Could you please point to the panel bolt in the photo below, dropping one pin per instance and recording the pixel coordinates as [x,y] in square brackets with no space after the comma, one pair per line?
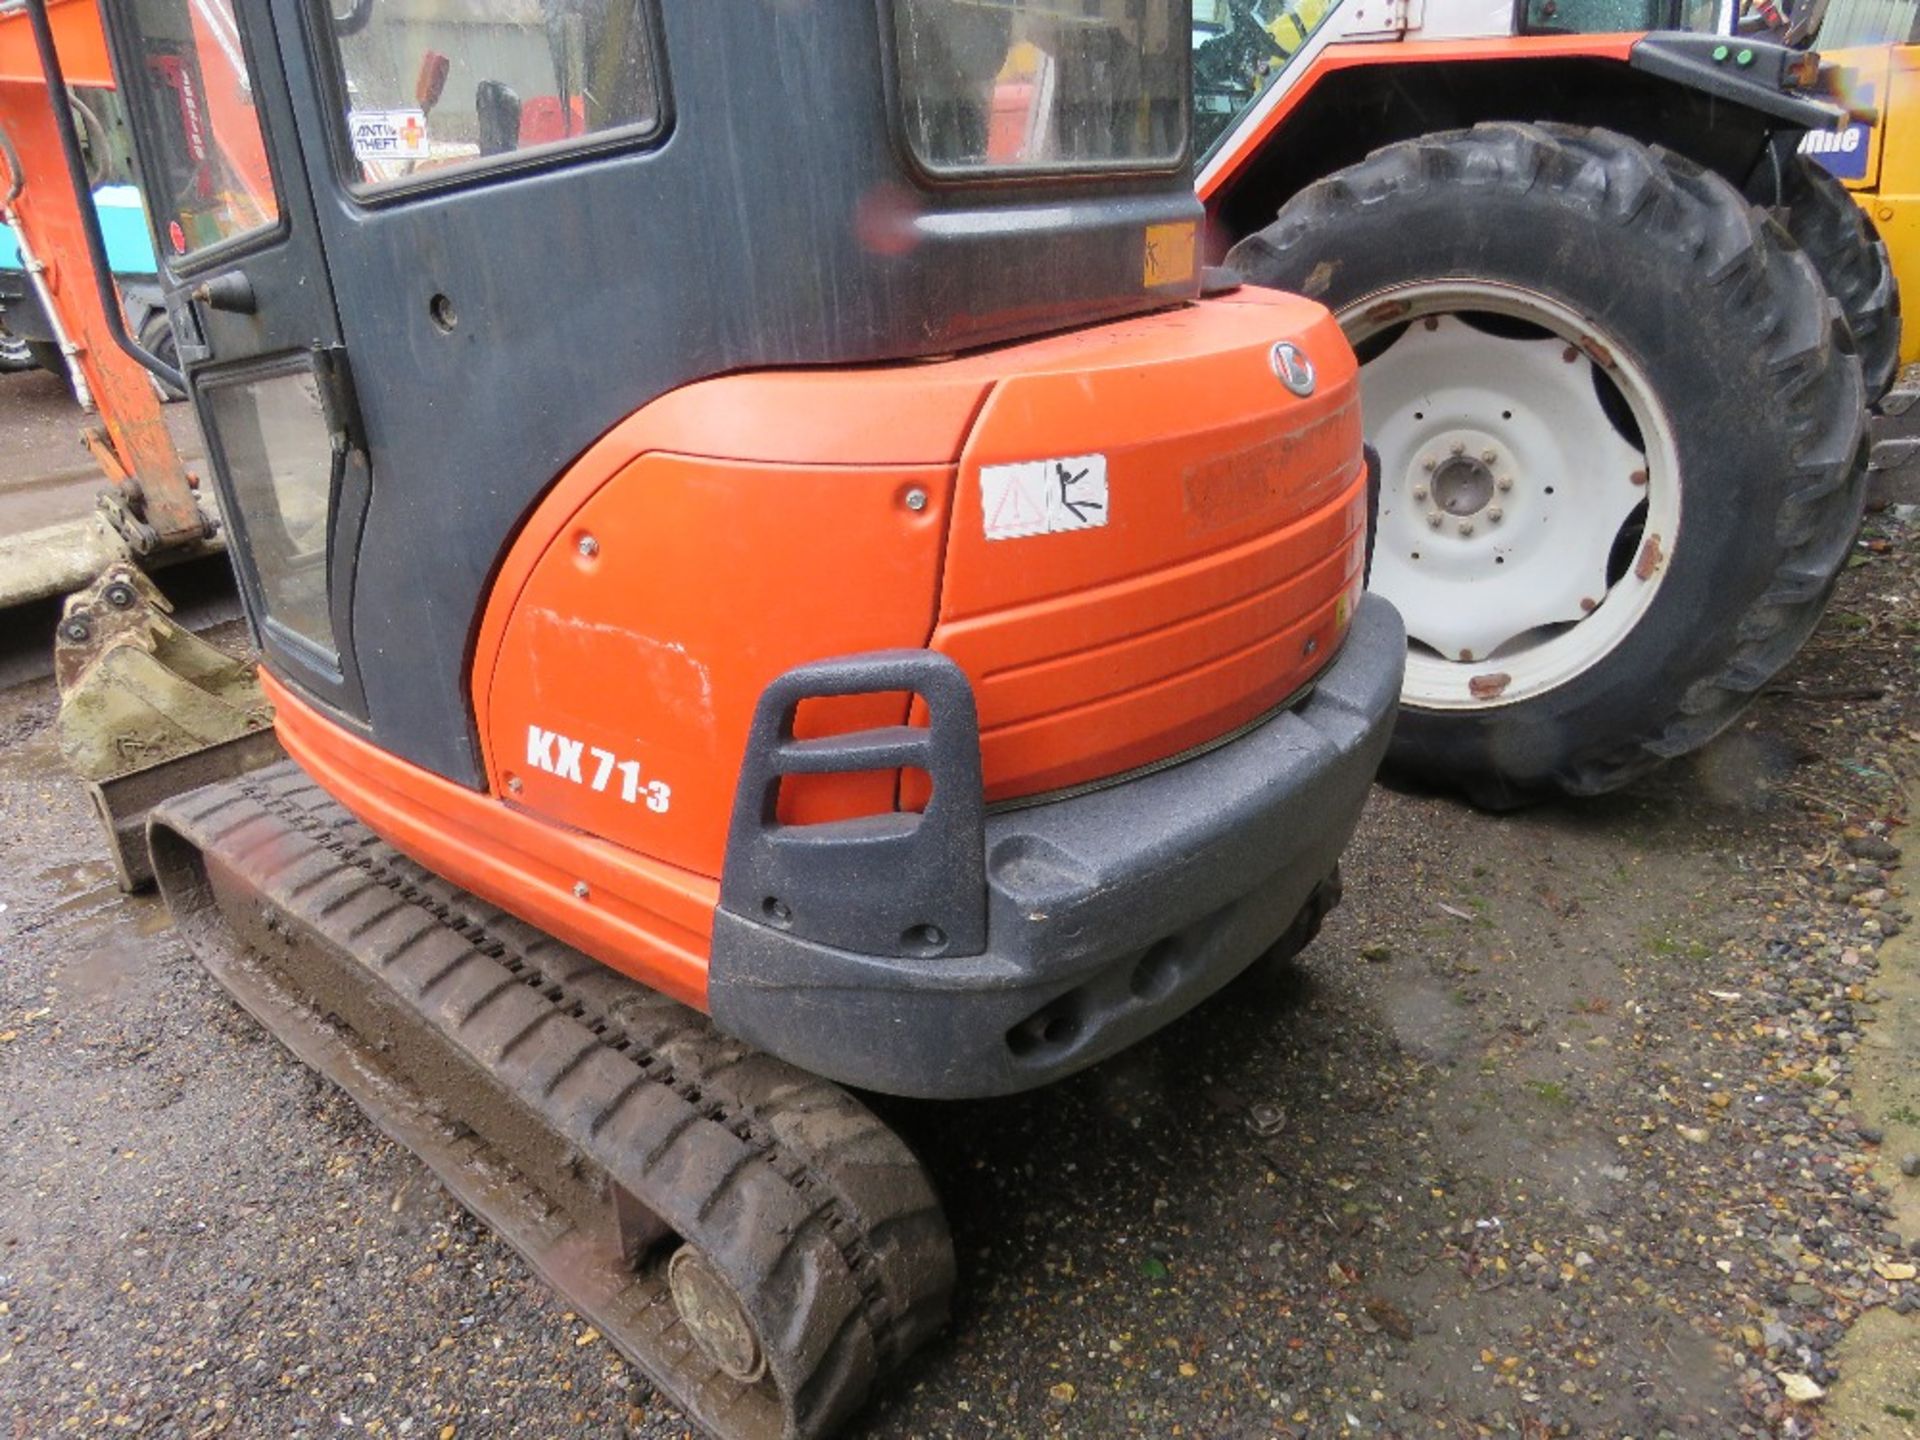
[1419,492]
[580,891]
[1433,519]
[589,546]
[1313,644]
[1466,527]
[916,499]
[513,784]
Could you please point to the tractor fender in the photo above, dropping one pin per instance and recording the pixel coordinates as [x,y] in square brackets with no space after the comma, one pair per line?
[1748,73]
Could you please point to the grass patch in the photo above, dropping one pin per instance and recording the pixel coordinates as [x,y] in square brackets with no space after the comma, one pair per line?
[1665,945]
[1553,1092]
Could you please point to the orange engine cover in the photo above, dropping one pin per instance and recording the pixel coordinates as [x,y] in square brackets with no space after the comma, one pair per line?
[1223,578]
[1132,538]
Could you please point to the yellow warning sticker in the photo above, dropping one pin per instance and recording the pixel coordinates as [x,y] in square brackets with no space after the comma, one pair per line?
[1169,253]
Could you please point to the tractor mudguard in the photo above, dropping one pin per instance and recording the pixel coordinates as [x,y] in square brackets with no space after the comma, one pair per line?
[1747,72]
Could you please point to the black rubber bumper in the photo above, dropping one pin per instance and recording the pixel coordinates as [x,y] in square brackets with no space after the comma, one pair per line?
[1106,915]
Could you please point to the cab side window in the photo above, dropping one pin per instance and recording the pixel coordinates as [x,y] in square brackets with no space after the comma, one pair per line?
[193,79]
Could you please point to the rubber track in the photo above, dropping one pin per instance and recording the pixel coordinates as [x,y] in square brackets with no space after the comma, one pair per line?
[1774,293]
[417,997]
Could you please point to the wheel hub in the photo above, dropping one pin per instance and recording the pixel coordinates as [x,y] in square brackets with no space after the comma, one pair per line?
[1509,484]
[714,1315]
[1463,484]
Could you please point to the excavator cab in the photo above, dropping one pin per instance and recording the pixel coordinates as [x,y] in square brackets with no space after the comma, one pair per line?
[773,560]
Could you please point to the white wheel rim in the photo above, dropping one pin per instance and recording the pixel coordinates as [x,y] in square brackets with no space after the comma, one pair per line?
[1505,490]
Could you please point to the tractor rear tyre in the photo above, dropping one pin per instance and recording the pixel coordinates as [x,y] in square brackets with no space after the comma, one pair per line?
[1852,259]
[1622,432]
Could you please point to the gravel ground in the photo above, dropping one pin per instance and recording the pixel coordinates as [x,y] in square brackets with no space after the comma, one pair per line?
[1549,1134]
[47,475]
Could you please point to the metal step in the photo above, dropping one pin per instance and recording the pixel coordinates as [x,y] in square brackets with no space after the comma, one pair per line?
[754,1239]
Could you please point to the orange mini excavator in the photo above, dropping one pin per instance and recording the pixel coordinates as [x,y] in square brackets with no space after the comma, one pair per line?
[775,566]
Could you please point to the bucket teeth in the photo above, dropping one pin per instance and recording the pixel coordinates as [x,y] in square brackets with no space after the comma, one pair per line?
[599,1127]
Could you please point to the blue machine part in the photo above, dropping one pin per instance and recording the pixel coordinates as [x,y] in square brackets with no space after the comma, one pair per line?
[1843,153]
[123,226]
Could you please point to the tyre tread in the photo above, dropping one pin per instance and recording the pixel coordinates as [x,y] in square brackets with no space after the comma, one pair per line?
[1733,247]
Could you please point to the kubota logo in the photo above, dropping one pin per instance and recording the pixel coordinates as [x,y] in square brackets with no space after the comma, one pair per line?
[1291,365]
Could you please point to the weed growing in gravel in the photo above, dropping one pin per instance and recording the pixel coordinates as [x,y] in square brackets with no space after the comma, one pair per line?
[1553,1092]
[1665,945]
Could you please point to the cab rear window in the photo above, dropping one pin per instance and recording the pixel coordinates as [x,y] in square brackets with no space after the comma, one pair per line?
[438,85]
[1020,85]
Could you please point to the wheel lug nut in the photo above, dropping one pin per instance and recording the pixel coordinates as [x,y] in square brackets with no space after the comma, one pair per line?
[1419,492]
[1487,457]
[1459,448]
[1428,464]
[1495,515]
[1433,519]
[1466,527]
[1505,482]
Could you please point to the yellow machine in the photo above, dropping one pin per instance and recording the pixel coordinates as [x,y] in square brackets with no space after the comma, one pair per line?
[1877,47]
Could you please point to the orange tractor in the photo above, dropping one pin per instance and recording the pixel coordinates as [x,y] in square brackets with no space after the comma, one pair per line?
[1617,339]
[763,585]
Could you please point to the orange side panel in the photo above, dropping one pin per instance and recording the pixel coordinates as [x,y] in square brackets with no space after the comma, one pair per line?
[645,634]
[76,35]
[910,415]
[643,918]
[1242,147]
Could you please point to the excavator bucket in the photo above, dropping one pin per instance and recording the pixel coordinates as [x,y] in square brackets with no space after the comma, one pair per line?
[148,709]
